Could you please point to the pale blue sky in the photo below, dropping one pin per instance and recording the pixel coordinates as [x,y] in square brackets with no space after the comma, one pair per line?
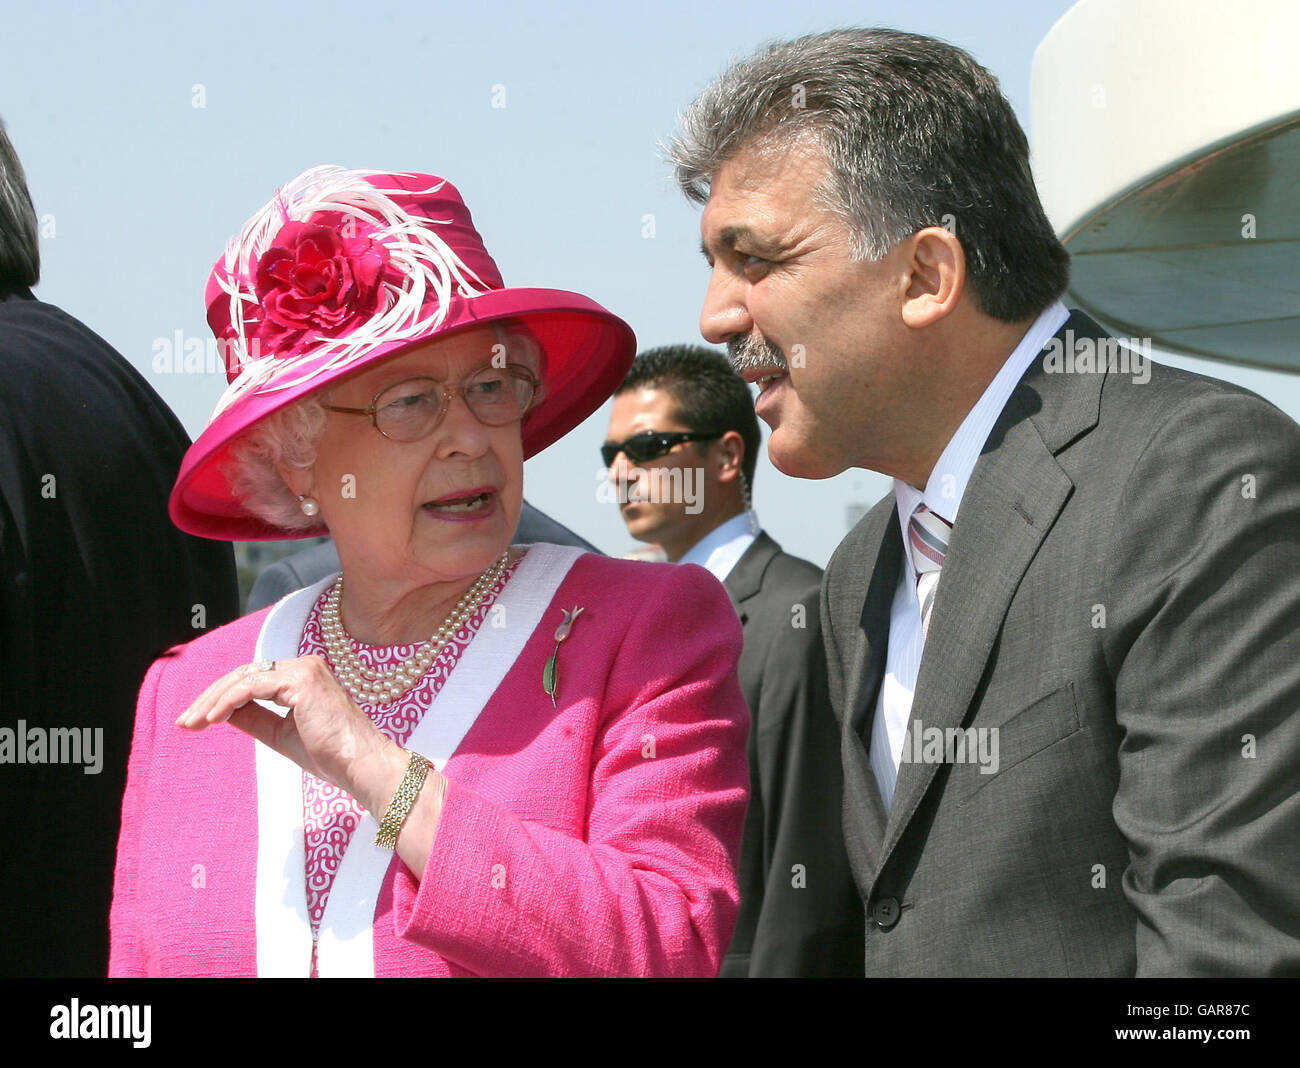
[142,188]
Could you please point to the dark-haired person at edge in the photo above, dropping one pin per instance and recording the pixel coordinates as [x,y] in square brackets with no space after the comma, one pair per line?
[95,582]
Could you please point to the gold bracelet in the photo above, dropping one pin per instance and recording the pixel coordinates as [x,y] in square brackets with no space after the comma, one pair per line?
[403,801]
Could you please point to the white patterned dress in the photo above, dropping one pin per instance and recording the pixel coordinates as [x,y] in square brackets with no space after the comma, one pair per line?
[331,815]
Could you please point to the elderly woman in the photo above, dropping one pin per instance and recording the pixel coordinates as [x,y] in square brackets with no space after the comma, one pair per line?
[457,757]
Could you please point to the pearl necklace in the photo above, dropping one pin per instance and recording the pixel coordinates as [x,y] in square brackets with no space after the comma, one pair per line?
[384,687]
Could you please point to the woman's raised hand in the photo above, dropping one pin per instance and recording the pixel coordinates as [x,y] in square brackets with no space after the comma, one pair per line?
[324,731]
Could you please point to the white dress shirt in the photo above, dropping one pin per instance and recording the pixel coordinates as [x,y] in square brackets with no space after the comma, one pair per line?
[721,547]
[943,494]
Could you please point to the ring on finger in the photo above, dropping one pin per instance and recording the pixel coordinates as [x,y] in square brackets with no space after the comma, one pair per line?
[264,665]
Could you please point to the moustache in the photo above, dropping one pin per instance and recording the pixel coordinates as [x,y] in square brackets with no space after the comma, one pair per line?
[753,352]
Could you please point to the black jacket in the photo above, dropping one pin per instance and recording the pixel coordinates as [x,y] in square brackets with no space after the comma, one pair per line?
[800,914]
[95,583]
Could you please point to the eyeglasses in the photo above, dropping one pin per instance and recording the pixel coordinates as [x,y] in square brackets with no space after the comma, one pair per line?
[413,409]
[649,445]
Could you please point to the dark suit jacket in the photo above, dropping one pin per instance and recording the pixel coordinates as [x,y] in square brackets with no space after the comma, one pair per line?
[95,583]
[1121,602]
[314,563]
[799,912]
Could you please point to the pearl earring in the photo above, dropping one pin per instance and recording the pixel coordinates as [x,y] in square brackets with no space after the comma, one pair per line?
[308,504]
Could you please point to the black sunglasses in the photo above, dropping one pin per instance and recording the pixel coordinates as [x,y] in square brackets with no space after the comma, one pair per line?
[649,445]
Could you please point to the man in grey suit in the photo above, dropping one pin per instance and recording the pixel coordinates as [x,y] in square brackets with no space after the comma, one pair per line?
[681,449]
[1065,652]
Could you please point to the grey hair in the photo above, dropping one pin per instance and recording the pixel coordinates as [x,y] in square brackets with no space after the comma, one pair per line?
[915,133]
[20,255]
[290,436]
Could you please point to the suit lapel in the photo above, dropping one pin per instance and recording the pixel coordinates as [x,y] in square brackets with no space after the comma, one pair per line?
[745,579]
[1015,493]
[864,812]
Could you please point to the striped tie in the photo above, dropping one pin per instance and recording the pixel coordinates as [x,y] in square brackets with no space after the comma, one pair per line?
[928,533]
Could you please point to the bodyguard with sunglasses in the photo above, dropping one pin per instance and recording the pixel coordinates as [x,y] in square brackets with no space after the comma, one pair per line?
[681,450]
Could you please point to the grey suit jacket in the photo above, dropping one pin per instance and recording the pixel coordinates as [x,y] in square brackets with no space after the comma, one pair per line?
[1121,603]
[799,911]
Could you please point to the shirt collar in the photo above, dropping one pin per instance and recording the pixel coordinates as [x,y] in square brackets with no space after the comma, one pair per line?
[947,484]
[721,547]
[15,292]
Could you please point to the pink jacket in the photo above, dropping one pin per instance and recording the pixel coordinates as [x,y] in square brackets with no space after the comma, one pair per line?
[595,838]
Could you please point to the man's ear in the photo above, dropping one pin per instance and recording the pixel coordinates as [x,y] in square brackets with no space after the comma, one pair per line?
[731,448]
[936,276]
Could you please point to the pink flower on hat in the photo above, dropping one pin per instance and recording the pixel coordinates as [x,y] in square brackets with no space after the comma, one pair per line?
[320,278]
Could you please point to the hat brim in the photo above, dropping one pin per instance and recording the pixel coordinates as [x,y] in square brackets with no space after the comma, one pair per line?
[587,353]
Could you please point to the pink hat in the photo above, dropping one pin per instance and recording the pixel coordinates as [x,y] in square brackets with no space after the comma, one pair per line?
[344,269]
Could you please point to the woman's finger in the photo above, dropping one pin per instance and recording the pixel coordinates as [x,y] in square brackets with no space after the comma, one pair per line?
[325,732]
[205,700]
[246,683]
